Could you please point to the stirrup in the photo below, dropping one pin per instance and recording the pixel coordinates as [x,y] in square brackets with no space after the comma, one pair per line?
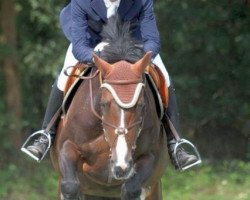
[185,142]
[31,138]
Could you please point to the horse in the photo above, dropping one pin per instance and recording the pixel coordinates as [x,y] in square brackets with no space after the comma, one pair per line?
[110,144]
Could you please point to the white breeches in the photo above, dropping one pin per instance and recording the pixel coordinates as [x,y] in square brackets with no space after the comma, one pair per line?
[158,62]
[70,60]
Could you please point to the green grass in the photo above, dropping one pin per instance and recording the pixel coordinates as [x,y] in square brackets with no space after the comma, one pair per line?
[226,181]
[31,181]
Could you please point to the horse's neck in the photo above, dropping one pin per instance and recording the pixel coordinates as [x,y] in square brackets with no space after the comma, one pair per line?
[87,96]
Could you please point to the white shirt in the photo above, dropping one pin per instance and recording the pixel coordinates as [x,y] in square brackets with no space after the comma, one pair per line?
[111,7]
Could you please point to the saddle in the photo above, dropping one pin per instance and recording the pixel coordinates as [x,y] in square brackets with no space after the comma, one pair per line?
[73,84]
[154,77]
[159,81]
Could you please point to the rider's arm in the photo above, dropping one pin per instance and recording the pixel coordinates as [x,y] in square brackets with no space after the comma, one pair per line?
[81,49]
[149,30]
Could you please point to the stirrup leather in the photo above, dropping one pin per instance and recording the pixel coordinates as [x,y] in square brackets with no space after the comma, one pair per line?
[179,144]
[31,138]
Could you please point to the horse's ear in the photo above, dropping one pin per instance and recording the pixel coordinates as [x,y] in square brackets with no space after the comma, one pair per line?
[102,65]
[140,66]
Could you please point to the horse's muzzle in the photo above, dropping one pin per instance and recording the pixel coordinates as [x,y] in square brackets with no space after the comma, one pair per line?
[123,173]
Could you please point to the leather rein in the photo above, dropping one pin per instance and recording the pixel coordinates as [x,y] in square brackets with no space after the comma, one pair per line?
[118,130]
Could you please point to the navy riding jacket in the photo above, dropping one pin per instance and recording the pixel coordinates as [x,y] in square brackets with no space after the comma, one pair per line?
[82,22]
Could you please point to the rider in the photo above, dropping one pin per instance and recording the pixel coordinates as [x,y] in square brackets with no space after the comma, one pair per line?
[82,22]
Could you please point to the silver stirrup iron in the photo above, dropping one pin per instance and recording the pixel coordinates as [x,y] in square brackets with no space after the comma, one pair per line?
[31,138]
[181,142]
[185,142]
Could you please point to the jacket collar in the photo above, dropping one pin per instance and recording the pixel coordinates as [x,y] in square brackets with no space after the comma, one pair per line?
[99,7]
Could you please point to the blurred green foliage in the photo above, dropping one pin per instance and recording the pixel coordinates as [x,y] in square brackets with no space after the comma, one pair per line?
[228,180]
[28,183]
[205,45]
[42,49]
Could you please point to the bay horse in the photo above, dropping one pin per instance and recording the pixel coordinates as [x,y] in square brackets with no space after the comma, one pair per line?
[111,145]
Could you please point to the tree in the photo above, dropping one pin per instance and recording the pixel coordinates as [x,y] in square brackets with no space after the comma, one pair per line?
[11,72]
[206,45]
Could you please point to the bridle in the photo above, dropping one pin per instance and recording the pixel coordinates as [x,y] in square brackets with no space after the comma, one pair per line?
[118,130]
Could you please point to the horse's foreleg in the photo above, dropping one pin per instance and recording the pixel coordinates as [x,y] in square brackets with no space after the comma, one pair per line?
[132,189]
[70,185]
[155,192]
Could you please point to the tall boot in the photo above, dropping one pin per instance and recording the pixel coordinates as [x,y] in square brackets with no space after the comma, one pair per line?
[181,158]
[38,148]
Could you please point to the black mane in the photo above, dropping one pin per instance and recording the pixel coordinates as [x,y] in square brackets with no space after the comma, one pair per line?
[122,46]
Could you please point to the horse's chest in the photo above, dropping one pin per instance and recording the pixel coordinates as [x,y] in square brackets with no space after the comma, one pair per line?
[95,173]
[96,158]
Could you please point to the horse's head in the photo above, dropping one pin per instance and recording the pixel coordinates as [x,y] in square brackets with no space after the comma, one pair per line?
[122,106]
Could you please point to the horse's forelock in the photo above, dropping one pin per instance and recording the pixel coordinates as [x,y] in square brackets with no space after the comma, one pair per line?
[122,51]
[122,45]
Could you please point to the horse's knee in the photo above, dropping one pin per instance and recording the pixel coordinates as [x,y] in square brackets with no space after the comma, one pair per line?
[70,189]
[130,193]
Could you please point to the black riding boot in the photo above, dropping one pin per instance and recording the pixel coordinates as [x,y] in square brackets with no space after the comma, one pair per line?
[40,145]
[183,158]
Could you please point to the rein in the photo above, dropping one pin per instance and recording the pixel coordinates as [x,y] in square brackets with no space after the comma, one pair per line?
[79,66]
[118,130]
[58,112]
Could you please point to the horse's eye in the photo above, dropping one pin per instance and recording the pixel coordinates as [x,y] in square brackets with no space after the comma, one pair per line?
[141,105]
[104,104]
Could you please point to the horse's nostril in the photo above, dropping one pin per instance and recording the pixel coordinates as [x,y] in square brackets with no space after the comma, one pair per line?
[130,163]
[120,172]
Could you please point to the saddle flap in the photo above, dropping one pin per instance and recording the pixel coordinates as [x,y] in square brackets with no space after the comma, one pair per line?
[158,78]
[75,73]
[73,84]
